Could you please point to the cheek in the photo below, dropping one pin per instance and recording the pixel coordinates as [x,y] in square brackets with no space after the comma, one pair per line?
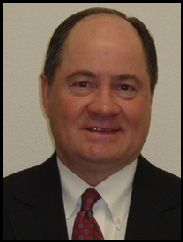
[67,110]
[138,116]
[69,113]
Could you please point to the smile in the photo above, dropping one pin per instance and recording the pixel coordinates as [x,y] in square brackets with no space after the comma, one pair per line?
[106,130]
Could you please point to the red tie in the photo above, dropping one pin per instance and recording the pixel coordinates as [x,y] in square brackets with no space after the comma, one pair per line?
[85,226]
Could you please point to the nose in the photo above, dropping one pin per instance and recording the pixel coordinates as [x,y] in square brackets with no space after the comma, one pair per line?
[104,103]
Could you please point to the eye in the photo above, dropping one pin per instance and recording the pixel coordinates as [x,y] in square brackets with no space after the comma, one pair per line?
[126,91]
[82,88]
[126,87]
[81,84]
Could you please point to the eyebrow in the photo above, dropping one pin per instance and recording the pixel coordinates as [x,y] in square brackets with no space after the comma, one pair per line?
[126,77]
[123,77]
[81,73]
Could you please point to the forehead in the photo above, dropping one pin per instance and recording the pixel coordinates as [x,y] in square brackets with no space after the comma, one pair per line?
[104,28]
[104,42]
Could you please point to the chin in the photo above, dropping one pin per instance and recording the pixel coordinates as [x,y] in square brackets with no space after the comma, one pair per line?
[99,157]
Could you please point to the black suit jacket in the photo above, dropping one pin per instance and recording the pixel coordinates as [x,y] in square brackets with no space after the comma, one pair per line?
[33,206]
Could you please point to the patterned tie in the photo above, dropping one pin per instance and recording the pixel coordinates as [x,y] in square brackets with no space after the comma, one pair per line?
[85,226]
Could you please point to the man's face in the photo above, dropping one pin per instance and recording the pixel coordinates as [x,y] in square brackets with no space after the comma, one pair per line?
[99,106]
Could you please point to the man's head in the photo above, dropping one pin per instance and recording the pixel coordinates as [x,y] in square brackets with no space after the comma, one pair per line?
[56,46]
[98,93]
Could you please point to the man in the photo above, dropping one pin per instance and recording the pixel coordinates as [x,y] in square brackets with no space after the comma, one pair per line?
[97,90]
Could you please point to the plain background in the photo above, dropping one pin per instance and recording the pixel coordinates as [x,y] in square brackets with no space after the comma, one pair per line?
[26,34]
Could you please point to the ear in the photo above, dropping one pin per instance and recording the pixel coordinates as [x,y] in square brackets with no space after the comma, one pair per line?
[45,87]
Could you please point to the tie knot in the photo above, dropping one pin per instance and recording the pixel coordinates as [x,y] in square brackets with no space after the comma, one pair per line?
[89,198]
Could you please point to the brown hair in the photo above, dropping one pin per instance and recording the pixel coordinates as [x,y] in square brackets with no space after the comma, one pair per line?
[61,33]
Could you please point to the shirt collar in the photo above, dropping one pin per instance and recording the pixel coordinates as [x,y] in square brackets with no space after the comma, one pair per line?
[115,191]
[72,188]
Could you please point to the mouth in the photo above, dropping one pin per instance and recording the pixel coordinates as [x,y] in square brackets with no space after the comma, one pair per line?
[103,130]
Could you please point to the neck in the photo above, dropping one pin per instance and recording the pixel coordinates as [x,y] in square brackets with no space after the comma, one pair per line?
[93,173]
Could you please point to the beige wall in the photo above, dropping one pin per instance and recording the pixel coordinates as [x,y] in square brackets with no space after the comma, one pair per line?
[27,30]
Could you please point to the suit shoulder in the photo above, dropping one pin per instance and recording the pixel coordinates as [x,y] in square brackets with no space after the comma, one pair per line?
[25,178]
[164,183]
[166,177]
[17,181]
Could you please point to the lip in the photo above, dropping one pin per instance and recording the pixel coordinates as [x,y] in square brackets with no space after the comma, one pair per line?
[102,130]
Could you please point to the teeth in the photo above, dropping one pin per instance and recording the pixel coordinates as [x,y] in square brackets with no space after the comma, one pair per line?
[98,129]
[101,130]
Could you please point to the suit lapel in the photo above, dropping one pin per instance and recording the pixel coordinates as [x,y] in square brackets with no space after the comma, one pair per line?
[39,206]
[143,212]
[152,204]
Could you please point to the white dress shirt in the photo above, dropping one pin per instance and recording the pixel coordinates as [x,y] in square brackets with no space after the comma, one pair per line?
[111,211]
